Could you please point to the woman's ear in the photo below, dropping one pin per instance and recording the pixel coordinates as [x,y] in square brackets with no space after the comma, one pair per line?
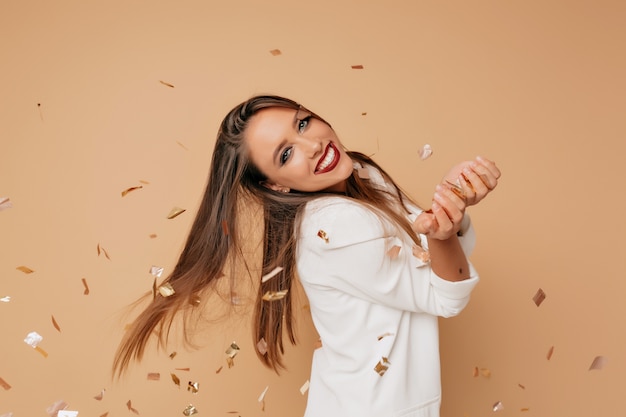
[275,187]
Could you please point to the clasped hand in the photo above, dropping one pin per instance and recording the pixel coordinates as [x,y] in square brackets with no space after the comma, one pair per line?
[466,184]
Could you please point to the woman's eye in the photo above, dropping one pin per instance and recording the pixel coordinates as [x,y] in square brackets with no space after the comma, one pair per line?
[302,124]
[285,155]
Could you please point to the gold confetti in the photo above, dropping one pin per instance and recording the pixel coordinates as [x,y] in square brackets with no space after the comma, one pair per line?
[271,274]
[33,339]
[128,190]
[43,352]
[457,189]
[190,410]
[322,234]
[304,388]
[4,384]
[175,379]
[382,336]
[275,52]
[25,269]
[166,290]
[225,227]
[152,235]
[598,363]
[382,366]
[54,409]
[218,370]
[539,297]
[195,300]
[394,251]
[193,387]
[86,291]
[67,413]
[174,212]
[485,372]
[550,352]
[102,250]
[275,295]
[421,254]
[357,67]
[55,324]
[105,414]
[172,355]
[525,409]
[521,386]
[425,152]
[232,350]
[144,182]
[166,84]
[5,203]
[182,146]
[100,396]
[154,376]
[130,407]
[364,113]
[498,406]
[261,346]
[476,372]
[183,369]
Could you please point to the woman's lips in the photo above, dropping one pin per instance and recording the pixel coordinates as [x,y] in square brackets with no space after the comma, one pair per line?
[329,160]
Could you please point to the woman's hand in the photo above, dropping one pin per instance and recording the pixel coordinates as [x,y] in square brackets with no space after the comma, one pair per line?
[474,179]
[444,218]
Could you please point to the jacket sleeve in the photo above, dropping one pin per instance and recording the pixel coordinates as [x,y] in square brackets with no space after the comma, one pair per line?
[344,245]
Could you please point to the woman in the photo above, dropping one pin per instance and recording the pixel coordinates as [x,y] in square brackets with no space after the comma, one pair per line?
[377,269]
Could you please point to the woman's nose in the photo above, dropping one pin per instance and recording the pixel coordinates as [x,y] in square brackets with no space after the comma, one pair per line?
[312,146]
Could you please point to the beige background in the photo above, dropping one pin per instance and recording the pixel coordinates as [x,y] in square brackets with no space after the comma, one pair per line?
[537,86]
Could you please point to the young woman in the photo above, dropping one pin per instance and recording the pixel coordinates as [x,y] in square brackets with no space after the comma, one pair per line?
[377,270]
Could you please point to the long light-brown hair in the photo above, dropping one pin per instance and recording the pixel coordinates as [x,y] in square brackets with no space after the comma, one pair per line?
[214,239]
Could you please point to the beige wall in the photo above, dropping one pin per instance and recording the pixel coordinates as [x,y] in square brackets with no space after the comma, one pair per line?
[538,86]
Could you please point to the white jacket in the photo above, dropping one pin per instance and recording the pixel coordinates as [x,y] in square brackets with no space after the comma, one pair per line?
[376,313]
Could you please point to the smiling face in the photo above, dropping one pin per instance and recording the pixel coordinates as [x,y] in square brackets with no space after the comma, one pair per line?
[296,151]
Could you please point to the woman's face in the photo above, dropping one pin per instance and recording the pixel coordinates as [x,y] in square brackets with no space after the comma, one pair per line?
[296,151]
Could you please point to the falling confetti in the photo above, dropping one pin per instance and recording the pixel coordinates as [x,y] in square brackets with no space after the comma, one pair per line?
[144,182]
[262,396]
[598,363]
[152,235]
[33,339]
[261,346]
[476,372]
[539,297]
[9,414]
[166,290]
[154,376]
[43,352]
[357,67]
[232,350]
[363,173]
[56,407]
[67,413]
[382,366]
[5,299]
[190,410]
[105,414]
[275,295]
[550,352]
[225,227]
[172,355]
[271,274]
[275,52]
[5,203]
[498,406]
[394,251]
[128,190]
[521,386]
[183,369]
[364,113]
[25,269]
[193,387]
[100,396]
[176,211]
[130,407]
[156,271]
[218,370]
[382,336]
[421,254]
[182,146]
[166,84]
[102,250]
[322,234]
[425,152]
[525,409]
[86,291]
[4,384]
[485,372]
[175,379]
[304,388]
[55,324]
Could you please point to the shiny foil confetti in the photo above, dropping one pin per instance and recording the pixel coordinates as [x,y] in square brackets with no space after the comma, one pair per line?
[539,297]
[476,372]
[550,352]
[190,410]
[498,406]
[156,271]
[382,366]
[173,355]
[262,396]
[382,336]
[25,269]
[304,388]
[56,407]
[357,67]
[218,370]
[275,52]
[166,290]
[5,203]
[232,350]
[166,84]
[41,351]
[105,414]
[275,295]
[175,212]
[154,376]
[55,324]
[271,274]
[394,251]
[322,234]
[4,384]
[193,387]
[152,235]
[521,386]
[144,182]
[86,291]
[524,409]
[598,363]
[425,152]
[421,254]
[128,190]
[175,379]
[100,396]
[33,339]
[183,369]
[363,173]
[261,346]
[5,299]
[182,146]
[102,250]
[130,407]
[67,413]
